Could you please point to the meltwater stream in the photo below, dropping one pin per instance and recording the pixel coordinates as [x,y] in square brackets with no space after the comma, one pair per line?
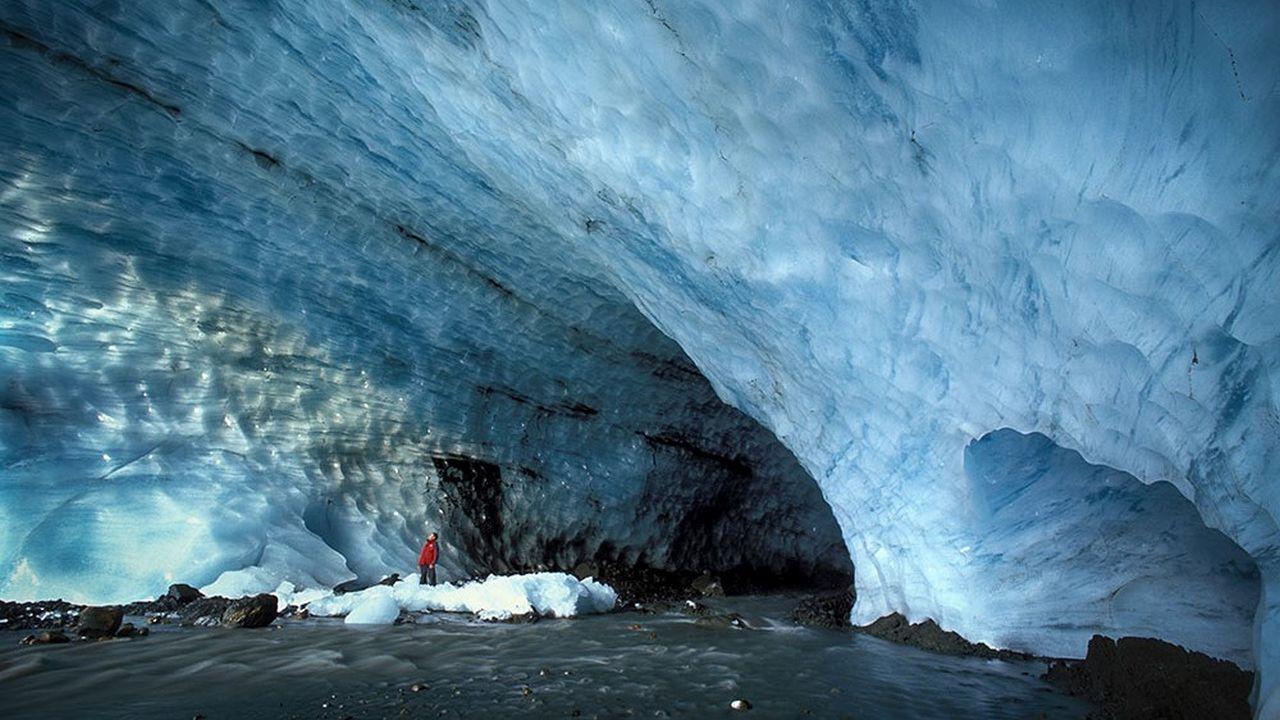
[615,665]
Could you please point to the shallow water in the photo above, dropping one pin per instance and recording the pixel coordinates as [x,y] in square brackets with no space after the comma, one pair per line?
[599,666]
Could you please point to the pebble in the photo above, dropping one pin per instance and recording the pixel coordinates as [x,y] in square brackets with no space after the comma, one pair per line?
[417,687]
[740,705]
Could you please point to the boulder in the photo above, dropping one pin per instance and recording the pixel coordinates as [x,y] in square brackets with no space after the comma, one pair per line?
[99,622]
[181,593]
[1149,679]
[251,612]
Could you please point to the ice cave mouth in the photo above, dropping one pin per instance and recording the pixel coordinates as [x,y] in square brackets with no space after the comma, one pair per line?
[681,286]
[1089,549]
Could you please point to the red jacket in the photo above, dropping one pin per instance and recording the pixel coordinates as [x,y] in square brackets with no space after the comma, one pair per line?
[428,554]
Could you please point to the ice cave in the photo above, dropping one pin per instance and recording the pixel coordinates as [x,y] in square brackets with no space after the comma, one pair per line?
[968,309]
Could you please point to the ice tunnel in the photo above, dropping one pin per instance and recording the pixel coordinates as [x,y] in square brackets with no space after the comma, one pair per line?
[679,283]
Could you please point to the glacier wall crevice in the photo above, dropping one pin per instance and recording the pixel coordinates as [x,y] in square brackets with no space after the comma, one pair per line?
[882,229]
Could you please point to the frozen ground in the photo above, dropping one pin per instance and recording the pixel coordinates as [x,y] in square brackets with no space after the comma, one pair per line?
[261,261]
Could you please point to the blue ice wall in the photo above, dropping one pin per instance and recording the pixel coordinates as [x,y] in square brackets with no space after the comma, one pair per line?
[224,358]
[883,229]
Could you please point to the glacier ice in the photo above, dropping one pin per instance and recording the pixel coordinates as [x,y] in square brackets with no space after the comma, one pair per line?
[376,610]
[249,249]
[497,597]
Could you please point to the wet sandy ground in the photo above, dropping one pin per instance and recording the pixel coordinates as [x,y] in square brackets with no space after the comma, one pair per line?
[618,665]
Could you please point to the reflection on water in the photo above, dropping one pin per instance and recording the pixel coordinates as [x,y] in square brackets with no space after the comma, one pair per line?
[600,666]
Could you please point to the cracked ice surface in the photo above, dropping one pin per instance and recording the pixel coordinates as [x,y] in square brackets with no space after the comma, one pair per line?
[882,229]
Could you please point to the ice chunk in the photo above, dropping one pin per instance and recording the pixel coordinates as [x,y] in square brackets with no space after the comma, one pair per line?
[376,609]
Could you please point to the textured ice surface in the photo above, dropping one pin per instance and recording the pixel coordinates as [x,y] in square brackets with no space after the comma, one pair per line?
[249,248]
[1138,558]
[497,597]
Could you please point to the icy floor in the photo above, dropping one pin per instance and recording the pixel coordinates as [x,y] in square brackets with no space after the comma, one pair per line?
[601,665]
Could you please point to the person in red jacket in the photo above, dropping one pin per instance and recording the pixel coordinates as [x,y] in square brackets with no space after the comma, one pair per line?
[427,561]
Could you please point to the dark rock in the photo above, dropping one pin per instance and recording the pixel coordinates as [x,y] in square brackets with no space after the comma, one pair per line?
[830,611]
[707,585]
[182,593]
[206,611]
[99,622]
[46,637]
[927,635]
[251,612]
[349,586]
[391,579]
[1149,679]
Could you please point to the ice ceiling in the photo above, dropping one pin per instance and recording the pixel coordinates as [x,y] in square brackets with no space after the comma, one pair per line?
[256,256]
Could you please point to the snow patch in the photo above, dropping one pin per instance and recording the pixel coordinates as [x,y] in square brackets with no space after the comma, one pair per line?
[498,597]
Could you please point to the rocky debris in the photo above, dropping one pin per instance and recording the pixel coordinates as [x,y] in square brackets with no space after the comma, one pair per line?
[99,622]
[251,612]
[206,611]
[46,637]
[707,585]
[1148,679]
[39,615]
[527,618]
[831,610]
[927,635]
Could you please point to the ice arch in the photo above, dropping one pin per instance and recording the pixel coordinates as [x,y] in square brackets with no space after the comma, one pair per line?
[881,228]
[1068,549]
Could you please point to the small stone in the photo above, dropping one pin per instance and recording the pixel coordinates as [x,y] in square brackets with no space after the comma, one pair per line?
[544,672]
[417,687]
[525,690]
[740,705]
